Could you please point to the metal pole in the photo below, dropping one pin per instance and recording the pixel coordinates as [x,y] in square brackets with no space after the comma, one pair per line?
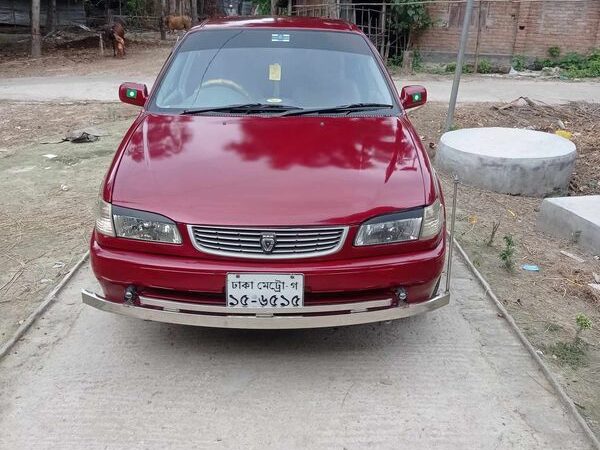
[464,37]
[451,245]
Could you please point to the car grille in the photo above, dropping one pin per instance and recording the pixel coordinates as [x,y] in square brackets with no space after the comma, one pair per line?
[255,242]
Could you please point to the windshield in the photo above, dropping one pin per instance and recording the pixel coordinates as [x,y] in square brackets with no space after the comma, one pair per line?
[290,68]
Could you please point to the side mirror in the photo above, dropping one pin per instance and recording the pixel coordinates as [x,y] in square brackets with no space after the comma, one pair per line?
[413,96]
[133,93]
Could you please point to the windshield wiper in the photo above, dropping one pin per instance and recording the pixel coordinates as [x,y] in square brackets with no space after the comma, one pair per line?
[354,107]
[243,108]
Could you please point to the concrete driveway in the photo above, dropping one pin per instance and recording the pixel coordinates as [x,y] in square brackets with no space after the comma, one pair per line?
[454,378]
[472,89]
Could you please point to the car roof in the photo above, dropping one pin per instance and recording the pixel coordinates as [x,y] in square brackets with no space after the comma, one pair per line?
[313,23]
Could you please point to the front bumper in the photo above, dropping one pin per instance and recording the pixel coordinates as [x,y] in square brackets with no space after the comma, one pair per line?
[318,316]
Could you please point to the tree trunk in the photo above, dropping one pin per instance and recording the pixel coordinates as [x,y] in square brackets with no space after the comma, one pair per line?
[194,11]
[210,8]
[51,17]
[382,24]
[161,25]
[407,62]
[273,7]
[36,39]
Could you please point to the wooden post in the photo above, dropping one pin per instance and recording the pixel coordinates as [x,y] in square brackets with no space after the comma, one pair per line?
[101,44]
[478,38]
[194,11]
[36,39]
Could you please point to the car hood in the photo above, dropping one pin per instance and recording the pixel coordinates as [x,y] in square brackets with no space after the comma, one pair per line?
[269,170]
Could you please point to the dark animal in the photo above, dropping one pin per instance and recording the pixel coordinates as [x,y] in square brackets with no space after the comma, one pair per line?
[115,35]
[178,23]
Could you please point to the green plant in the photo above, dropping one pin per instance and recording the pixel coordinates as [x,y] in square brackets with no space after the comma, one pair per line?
[573,61]
[508,252]
[592,70]
[451,67]
[583,323]
[518,62]
[554,52]
[484,66]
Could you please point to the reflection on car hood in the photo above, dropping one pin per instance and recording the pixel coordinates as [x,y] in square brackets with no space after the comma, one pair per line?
[269,170]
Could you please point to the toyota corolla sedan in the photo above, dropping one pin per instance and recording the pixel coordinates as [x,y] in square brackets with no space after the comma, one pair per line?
[271,180]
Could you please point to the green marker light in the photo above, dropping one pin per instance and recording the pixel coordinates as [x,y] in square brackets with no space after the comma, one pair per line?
[131,93]
[416,97]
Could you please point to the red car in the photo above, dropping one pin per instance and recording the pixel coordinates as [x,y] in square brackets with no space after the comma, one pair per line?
[271,180]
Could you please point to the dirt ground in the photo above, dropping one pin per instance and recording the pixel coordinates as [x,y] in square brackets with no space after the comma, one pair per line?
[544,303]
[48,193]
[145,54]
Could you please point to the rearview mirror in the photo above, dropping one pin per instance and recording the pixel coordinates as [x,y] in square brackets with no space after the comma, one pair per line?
[133,93]
[413,96]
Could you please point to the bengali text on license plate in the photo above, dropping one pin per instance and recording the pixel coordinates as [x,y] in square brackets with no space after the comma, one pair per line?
[259,290]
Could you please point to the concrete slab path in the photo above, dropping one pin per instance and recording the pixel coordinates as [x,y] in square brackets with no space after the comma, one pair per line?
[456,378]
[475,89]
[472,89]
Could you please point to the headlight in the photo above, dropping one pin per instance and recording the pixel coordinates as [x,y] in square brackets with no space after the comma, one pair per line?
[399,227]
[133,224]
[145,226]
[422,223]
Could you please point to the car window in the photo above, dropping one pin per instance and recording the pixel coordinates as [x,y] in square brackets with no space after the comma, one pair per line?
[307,69]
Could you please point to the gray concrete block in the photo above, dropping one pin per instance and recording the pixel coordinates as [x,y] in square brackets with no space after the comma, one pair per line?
[573,217]
[508,160]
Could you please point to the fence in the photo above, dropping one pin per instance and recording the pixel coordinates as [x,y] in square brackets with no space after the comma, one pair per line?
[372,18]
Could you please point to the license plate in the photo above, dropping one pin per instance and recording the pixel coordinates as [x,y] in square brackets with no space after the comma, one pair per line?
[265,290]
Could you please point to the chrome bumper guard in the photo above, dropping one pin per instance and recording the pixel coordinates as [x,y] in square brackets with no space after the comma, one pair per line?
[333,315]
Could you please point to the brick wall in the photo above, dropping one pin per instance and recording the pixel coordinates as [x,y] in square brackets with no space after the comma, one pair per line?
[502,29]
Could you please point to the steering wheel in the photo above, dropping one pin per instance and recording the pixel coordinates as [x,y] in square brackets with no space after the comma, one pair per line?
[229,84]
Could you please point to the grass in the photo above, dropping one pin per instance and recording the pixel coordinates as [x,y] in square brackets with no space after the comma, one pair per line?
[553,327]
[569,353]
